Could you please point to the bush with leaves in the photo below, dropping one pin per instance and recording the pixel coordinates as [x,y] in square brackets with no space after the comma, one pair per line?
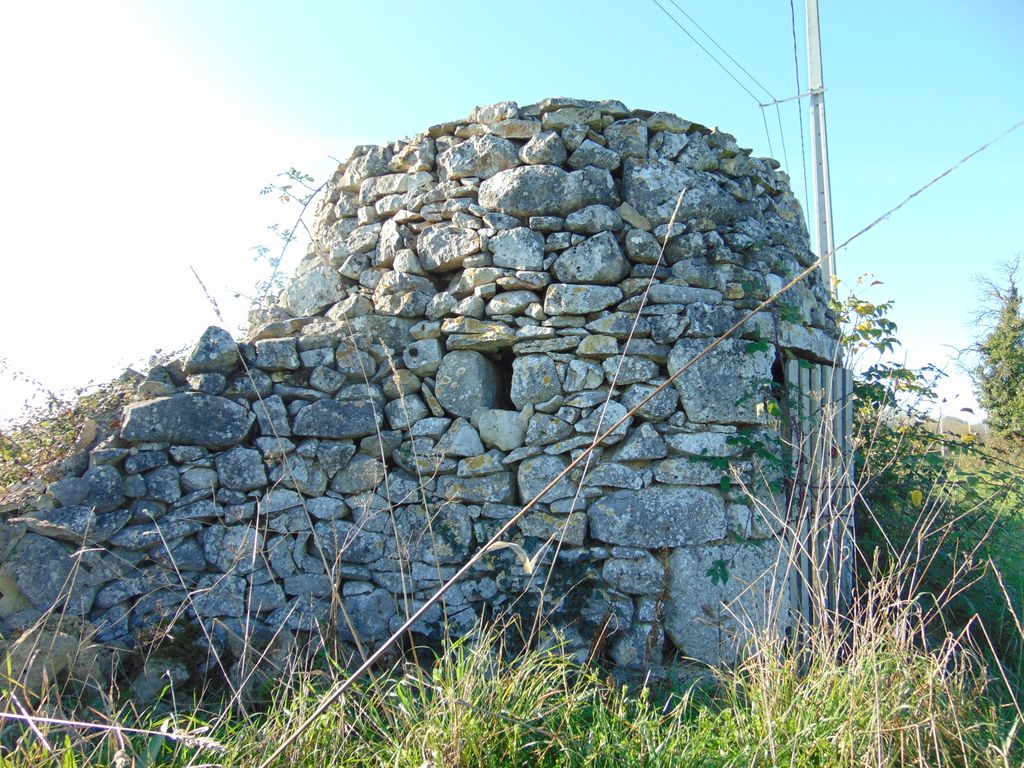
[57,429]
[946,504]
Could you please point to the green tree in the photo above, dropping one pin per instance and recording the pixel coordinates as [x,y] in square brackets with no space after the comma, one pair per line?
[999,375]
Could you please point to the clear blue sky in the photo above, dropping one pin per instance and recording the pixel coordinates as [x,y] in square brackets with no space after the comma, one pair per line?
[137,136]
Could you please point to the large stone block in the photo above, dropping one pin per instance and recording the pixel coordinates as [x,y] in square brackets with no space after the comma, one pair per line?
[727,385]
[313,291]
[215,352]
[338,419]
[598,259]
[188,419]
[534,380]
[518,248]
[466,381]
[41,568]
[546,190]
[562,299]
[480,156]
[653,188]
[444,248]
[718,597]
[659,516]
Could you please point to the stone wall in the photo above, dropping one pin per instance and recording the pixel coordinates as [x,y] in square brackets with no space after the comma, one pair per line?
[479,302]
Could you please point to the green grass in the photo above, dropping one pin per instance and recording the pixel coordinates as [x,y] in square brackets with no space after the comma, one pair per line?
[878,697]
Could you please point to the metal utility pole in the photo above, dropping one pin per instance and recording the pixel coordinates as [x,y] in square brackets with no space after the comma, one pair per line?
[819,147]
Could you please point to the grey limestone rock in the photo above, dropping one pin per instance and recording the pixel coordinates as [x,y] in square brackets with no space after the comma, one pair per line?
[272,416]
[629,369]
[466,382]
[77,524]
[443,248]
[593,219]
[534,380]
[189,419]
[659,516]
[639,575]
[148,535]
[512,302]
[373,162]
[571,116]
[423,357]
[501,429]
[545,190]
[187,556]
[277,354]
[312,292]
[215,352]
[592,153]
[639,648]
[545,148]
[628,138]
[570,530]
[710,618]
[517,248]
[241,469]
[404,412]
[689,471]
[69,491]
[344,541]
[565,299]
[304,613]
[494,113]
[219,596]
[582,374]
[643,444]
[264,598]
[460,440]
[598,259]
[653,188]
[535,473]
[483,464]
[480,156]
[402,295]
[658,408]
[705,444]
[163,484]
[211,383]
[545,429]
[363,473]
[370,613]
[604,417]
[497,488]
[106,488]
[708,389]
[642,247]
[338,419]
[41,568]
[143,461]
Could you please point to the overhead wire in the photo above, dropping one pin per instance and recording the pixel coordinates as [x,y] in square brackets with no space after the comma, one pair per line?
[762,86]
[921,189]
[799,106]
[762,105]
[729,55]
[706,51]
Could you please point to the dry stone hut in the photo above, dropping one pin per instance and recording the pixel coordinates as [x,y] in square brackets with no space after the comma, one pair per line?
[479,303]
